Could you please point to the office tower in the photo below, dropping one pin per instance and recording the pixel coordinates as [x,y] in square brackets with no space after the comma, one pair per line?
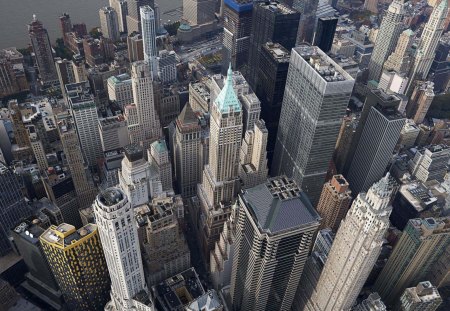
[343,46]
[343,143]
[304,149]
[134,14]
[84,111]
[65,24]
[109,23]
[276,224]
[420,101]
[64,69]
[377,142]
[39,279]
[355,249]
[250,104]
[134,178]
[8,295]
[186,293]
[113,133]
[422,243]
[439,68]
[237,27]
[167,66]
[166,252]
[408,134]
[121,8]
[199,96]
[430,163]
[188,151]
[120,89]
[146,128]
[21,136]
[424,297]
[253,168]
[388,34]
[135,47]
[167,103]
[78,263]
[198,12]
[313,268]
[158,156]
[42,51]
[12,73]
[371,303]
[324,34]
[85,191]
[149,39]
[79,70]
[399,60]
[371,5]
[12,206]
[274,64]
[334,202]
[271,22]
[220,182]
[428,43]
[307,9]
[117,227]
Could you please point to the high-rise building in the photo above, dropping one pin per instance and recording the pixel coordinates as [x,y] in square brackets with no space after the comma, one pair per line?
[426,50]
[371,5]
[43,52]
[377,142]
[430,163]
[237,26]
[420,101]
[220,182]
[399,60]
[253,168]
[113,133]
[65,24]
[440,69]
[12,206]
[121,8]
[145,126]
[422,243]
[158,156]
[120,89]
[311,117]
[355,249]
[119,236]
[134,14]
[12,73]
[324,33]
[188,151]
[334,202]
[271,22]
[109,23]
[135,47]
[39,279]
[167,66]
[275,227]
[166,252]
[273,70]
[423,297]
[388,34]
[84,112]
[149,39]
[307,9]
[64,69]
[78,263]
[198,12]
[371,303]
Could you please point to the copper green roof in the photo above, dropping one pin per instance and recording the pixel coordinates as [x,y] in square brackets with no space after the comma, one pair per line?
[227,99]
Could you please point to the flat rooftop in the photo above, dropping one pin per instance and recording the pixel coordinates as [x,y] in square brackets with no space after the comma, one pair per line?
[279,205]
[78,93]
[65,235]
[278,52]
[277,7]
[122,78]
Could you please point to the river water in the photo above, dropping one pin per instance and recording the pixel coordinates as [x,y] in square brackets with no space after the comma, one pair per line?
[16,14]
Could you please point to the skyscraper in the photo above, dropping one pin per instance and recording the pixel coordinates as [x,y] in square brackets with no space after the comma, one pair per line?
[109,23]
[324,33]
[371,303]
[423,297]
[307,9]
[84,112]
[420,101]
[428,43]
[271,22]
[388,34]
[430,163]
[275,227]
[119,236]
[439,68]
[43,52]
[355,249]
[315,100]
[399,60]
[198,12]
[422,243]
[143,121]
[377,142]
[64,69]
[77,260]
[158,156]
[334,202]
[149,39]
[220,182]
[134,14]
[237,26]
[12,206]
[121,8]
[135,47]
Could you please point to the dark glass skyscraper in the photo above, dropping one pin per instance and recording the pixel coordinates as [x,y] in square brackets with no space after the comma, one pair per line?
[324,35]
[440,68]
[271,22]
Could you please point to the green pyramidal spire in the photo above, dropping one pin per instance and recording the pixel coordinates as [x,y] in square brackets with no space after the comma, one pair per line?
[227,99]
